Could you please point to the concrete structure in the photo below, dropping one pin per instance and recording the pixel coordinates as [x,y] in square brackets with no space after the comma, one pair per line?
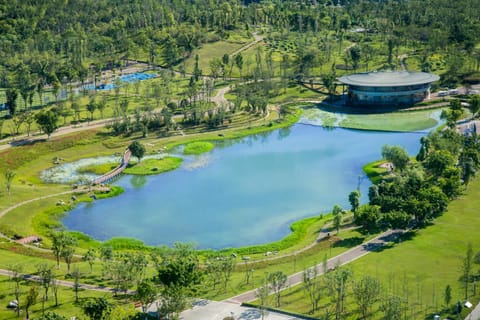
[395,88]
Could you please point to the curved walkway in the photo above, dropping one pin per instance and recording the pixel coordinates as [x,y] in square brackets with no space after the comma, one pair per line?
[342,259]
[62,283]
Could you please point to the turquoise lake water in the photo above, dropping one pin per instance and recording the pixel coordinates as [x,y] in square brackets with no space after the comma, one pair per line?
[244,192]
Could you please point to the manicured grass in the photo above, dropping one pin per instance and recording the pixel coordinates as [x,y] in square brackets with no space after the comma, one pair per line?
[396,121]
[421,265]
[198,147]
[98,169]
[375,172]
[66,298]
[289,265]
[154,166]
[208,51]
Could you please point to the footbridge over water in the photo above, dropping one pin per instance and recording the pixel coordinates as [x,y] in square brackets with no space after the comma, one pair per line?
[109,176]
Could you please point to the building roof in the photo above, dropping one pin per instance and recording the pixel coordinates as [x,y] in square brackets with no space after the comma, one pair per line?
[387,79]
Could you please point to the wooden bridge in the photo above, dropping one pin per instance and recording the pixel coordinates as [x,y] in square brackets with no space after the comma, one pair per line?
[109,176]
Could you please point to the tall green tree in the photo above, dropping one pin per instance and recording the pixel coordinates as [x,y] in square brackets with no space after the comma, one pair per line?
[30,299]
[97,308]
[277,281]
[354,199]
[146,294]
[137,149]
[366,292]
[47,121]
[397,155]
[9,175]
[11,102]
[467,269]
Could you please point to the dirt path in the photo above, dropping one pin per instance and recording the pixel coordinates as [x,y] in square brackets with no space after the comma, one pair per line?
[342,259]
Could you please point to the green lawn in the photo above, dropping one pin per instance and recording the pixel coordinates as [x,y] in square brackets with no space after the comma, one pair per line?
[198,147]
[390,121]
[418,268]
[208,51]
[154,166]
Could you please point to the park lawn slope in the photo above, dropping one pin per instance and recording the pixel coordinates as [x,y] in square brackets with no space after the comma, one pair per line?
[423,264]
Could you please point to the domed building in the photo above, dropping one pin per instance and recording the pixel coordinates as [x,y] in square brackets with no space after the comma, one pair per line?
[395,88]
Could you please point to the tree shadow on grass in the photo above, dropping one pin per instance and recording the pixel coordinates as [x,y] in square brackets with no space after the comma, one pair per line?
[349,242]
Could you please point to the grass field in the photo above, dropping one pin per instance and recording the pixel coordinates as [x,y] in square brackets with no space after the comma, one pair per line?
[198,147]
[154,166]
[418,268]
[391,121]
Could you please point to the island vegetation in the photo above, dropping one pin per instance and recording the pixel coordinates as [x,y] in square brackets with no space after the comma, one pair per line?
[208,71]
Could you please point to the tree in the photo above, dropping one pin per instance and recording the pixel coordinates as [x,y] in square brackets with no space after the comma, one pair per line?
[9,175]
[49,315]
[76,274]
[239,63]
[277,282]
[45,274]
[337,217]
[453,113]
[474,105]
[336,284]
[438,162]
[366,293]
[60,241]
[262,295]
[312,287]
[329,82]
[355,54]
[16,277]
[396,155]
[354,199]
[11,102]
[69,250]
[101,105]
[448,295]
[368,216]
[90,257]
[137,149]
[467,269]
[47,121]
[28,118]
[173,301]
[97,308]
[91,107]
[55,286]
[146,294]
[30,299]
[215,67]
[392,308]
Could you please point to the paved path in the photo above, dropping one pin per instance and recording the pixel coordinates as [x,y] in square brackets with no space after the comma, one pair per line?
[63,283]
[257,38]
[213,310]
[344,258]
[475,314]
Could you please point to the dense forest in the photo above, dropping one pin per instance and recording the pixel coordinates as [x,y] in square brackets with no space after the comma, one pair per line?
[52,41]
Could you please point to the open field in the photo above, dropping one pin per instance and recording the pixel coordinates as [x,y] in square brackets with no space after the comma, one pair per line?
[391,121]
[419,267]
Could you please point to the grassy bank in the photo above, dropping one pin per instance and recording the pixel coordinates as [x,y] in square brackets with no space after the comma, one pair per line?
[418,268]
[198,147]
[404,121]
[154,166]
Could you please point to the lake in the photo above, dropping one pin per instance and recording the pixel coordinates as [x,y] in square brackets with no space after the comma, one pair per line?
[244,192]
